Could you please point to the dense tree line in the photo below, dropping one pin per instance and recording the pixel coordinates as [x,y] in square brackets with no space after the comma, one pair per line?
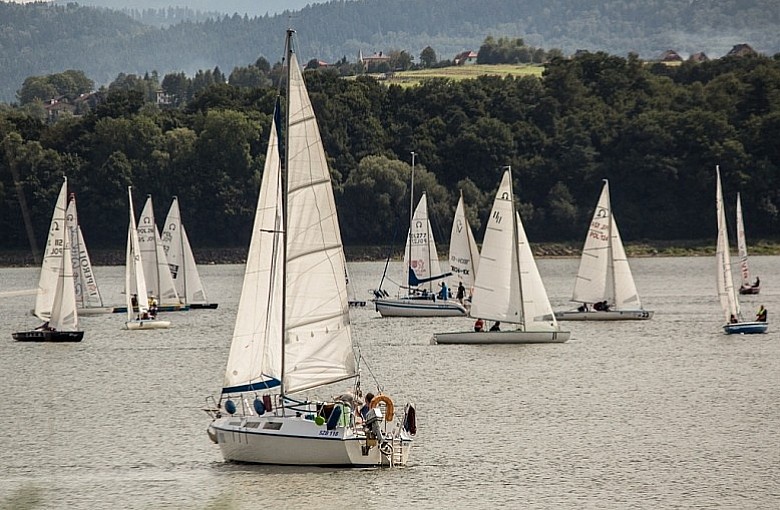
[656,132]
[38,38]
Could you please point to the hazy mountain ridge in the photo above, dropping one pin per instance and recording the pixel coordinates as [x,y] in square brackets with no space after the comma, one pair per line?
[39,39]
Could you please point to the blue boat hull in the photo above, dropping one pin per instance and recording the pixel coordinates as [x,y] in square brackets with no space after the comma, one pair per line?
[745,328]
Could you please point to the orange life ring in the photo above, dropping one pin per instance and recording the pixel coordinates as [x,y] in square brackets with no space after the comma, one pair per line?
[388,402]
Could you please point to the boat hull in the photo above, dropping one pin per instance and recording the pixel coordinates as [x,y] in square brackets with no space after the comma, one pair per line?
[502,337]
[147,324]
[298,441]
[203,306]
[48,336]
[749,290]
[98,310]
[612,315]
[161,308]
[419,308]
[745,328]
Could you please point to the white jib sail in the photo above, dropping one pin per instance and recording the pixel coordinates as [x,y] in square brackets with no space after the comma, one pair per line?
[255,359]
[318,338]
[51,267]
[725,283]
[497,291]
[155,264]
[537,311]
[135,283]
[63,313]
[87,292]
[742,246]
[625,293]
[181,260]
[464,254]
[420,254]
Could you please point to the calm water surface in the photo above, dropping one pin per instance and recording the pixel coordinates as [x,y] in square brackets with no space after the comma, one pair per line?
[667,413]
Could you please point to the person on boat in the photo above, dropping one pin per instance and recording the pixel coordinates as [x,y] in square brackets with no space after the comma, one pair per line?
[443,293]
[366,406]
[479,325]
[496,326]
[583,307]
[761,315]
[45,327]
[461,292]
[757,283]
[733,319]
[134,300]
[153,308]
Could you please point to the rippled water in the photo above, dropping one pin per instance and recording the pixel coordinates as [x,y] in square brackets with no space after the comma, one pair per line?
[667,413]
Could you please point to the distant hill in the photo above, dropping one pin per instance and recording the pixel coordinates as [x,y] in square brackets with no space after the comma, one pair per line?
[39,39]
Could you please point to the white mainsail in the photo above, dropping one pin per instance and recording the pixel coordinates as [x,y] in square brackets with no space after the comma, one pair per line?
[181,260]
[293,323]
[464,254]
[742,246]
[135,283]
[725,283]
[421,260]
[604,273]
[51,267]
[508,286]
[87,292]
[155,264]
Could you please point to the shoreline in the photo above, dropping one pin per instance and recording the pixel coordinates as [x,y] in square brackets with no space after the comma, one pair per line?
[236,255]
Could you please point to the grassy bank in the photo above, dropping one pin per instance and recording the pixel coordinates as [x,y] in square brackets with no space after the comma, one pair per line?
[697,248]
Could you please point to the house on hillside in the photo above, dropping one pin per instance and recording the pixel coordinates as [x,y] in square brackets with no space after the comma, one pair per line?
[372,61]
[742,50]
[465,58]
[670,56]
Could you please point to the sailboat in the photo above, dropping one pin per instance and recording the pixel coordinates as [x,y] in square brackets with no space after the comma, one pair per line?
[181,260]
[88,298]
[464,254]
[735,323]
[604,284]
[422,271]
[55,302]
[135,281]
[746,287]
[508,288]
[292,333]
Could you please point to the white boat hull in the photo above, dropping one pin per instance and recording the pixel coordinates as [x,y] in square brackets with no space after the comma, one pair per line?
[147,324]
[403,307]
[502,337]
[612,315]
[299,441]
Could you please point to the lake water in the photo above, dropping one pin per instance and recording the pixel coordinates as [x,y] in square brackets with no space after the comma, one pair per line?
[666,413]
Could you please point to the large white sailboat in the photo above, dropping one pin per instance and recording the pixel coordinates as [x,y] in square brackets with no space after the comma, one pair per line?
[181,260]
[55,301]
[88,298]
[137,309]
[292,337]
[732,313]
[464,254]
[423,295]
[747,286]
[508,289]
[604,285]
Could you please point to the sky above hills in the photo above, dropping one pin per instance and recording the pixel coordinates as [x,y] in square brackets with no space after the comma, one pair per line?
[251,7]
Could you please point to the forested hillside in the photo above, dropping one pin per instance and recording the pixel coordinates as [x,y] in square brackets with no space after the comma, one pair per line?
[656,132]
[37,39]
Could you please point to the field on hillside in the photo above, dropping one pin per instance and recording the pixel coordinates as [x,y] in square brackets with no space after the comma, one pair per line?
[464,72]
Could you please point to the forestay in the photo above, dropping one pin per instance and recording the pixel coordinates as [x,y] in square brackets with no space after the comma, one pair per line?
[725,283]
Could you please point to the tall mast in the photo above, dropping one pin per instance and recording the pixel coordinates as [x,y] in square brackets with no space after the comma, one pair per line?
[610,253]
[284,183]
[182,260]
[411,219]
[515,241]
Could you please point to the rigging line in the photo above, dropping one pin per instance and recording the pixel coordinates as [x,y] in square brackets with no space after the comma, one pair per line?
[389,254]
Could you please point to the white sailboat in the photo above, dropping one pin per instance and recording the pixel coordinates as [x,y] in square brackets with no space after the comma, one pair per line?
[181,261]
[735,323]
[508,288]
[747,287]
[464,254]
[423,275]
[88,298]
[158,274]
[604,284]
[135,281]
[55,301]
[292,333]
